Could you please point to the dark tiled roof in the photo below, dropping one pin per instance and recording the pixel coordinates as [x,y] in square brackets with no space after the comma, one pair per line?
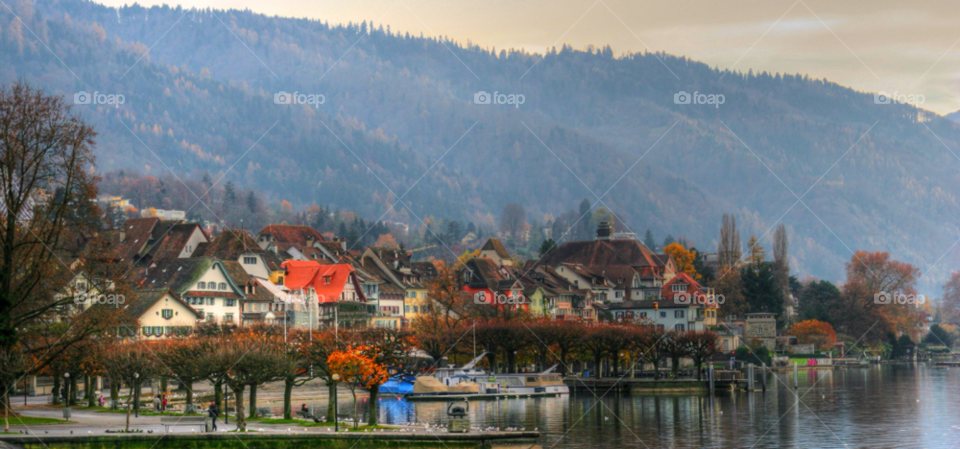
[169,239]
[176,274]
[240,277]
[603,253]
[229,245]
[495,245]
[286,235]
[136,233]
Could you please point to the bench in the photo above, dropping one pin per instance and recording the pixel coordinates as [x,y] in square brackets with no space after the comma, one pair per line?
[171,421]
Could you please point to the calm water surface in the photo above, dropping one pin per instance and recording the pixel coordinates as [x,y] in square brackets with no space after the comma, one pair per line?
[915,406]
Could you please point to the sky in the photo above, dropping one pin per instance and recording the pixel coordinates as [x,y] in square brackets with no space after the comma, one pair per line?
[911,48]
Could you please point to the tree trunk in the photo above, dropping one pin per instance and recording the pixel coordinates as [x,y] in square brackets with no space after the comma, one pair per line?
[188,384]
[253,401]
[356,412]
[92,395]
[331,393]
[374,396]
[563,362]
[56,389]
[6,409]
[218,395]
[114,394]
[127,428]
[287,397]
[238,399]
[73,391]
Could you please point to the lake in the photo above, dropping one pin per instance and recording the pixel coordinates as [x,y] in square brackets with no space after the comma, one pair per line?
[888,406]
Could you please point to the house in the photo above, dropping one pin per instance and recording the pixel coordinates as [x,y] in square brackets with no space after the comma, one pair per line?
[291,241]
[493,283]
[238,246]
[159,313]
[683,289]
[761,326]
[202,282]
[395,266]
[606,254]
[495,251]
[143,240]
[331,285]
[261,304]
[666,314]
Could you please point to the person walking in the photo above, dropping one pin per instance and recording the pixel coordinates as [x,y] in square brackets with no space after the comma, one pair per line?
[101,400]
[213,412]
[163,404]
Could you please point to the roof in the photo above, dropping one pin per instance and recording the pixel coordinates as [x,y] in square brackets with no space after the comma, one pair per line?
[136,232]
[229,245]
[243,279]
[169,238]
[140,301]
[327,280]
[603,253]
[648,304]
[493,244]
[681,278]
[285,235]
[180,275]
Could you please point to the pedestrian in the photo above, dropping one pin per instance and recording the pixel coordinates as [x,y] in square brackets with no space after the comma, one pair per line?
[163,404]
[101,400]
[213,412]
[156,403]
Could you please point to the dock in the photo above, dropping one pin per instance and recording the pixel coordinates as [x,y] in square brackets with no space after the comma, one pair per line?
[475,397]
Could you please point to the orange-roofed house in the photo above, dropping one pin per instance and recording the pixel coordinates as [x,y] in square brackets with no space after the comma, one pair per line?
[330,285]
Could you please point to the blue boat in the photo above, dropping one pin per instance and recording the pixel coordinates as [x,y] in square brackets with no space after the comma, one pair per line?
[398,385]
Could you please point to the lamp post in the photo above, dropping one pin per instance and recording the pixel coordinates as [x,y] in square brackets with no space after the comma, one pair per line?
[226,406]
[66,389]
[336,420]
[136,394]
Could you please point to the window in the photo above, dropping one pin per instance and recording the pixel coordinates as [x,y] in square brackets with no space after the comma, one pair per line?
[200,311]
[415,309]
[678,314]
[406,309]
[147,330]
[210,301]
[167,313]
[619,294]
[210,317]
[158,330]
[679,328]
[663,314]
[228,317]
[326,279]
[249,260]
[230,302]
[643,314]
[679,287]
[223,286]
[202,285]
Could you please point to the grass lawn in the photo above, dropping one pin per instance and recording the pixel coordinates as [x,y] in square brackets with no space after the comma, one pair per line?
[32,420]
[280,421]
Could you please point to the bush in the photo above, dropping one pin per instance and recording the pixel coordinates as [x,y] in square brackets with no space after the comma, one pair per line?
[755,356]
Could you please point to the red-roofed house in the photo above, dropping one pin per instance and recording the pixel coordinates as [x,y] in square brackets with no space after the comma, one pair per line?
[330,284]
[291,242]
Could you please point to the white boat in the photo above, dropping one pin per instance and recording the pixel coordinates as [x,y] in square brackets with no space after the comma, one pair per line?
[531,383]
[451,375]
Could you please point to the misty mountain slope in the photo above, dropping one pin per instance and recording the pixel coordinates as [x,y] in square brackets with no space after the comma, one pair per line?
[590,122]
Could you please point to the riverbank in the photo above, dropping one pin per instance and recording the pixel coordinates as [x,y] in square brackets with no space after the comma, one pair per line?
[419,439]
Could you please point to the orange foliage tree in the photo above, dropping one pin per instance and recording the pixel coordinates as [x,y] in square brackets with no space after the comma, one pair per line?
[357,368]
[386,241]
[817,332]
[683,259]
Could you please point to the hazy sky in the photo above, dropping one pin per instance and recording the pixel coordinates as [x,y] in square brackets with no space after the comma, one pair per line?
[878,45]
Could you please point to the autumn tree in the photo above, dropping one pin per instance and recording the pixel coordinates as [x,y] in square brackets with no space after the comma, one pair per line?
[186,358]
[870,305]
[561,337]
[757,254]
[815,332]
[385,347]
[386,241]
[245,360]
[131,364]
[355,367]
[701,346]
[315,348]
[683,258]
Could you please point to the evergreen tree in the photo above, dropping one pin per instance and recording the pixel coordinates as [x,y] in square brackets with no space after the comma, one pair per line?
[585,231]
[229,193]
[252,202]
[547,246]
[668,240]
[649,242]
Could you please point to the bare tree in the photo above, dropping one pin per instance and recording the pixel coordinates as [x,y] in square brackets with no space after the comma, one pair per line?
[781,264]
[728,251]
[131,364]
[46,194]
[512,219]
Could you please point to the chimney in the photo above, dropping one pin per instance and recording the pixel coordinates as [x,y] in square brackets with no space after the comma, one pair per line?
[123,235]
[343,245]
[310,241]
[604,231]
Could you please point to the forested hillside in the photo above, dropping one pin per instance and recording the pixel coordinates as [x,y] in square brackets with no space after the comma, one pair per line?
[399,113]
